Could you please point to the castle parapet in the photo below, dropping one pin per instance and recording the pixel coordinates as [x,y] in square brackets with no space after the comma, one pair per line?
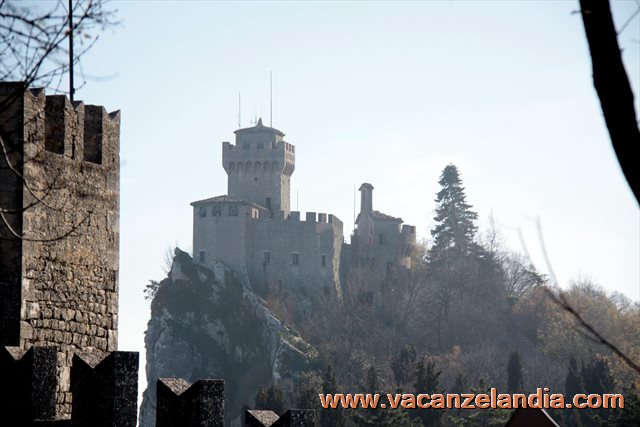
[29,384]
[182,404]
[71,129]
[105,392]
[294,216]
[322,218]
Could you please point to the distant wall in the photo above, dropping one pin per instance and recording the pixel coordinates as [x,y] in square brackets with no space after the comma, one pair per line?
[287,251]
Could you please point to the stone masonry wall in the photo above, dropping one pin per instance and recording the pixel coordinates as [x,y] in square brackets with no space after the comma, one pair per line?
[69,254]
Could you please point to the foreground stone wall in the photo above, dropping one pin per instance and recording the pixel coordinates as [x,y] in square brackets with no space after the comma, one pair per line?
[69,228]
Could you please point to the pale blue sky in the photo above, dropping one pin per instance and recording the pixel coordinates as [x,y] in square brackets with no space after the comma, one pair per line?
[383,92]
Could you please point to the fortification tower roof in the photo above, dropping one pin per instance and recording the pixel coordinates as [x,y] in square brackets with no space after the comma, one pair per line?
[259,128]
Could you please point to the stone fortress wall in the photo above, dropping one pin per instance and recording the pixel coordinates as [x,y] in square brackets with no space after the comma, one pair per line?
[60,276]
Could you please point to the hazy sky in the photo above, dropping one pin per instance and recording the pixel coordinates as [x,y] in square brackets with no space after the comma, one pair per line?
[387,93]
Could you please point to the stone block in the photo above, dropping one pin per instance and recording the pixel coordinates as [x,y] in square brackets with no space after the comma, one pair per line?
[297,418]
[30,382]
[259,418]
[105,392]
[197,405]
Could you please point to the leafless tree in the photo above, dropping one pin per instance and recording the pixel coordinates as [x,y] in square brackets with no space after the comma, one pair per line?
[37,50]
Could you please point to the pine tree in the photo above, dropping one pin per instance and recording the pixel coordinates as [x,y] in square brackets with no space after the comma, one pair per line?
[372,381]
[515,382]
[333,417]
[427,381]
[275,399]
[307,388]
[455,221]
[402,364]
[261,398]
[271,399]
[573,383]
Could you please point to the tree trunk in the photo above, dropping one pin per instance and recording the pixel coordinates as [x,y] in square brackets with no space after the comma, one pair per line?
[612,85]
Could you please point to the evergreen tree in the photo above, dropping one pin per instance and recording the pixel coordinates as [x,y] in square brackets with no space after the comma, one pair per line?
[573,383]
[275,399]
[515,381]
[455,221]
[372,382]
[489,417]
[426,377]
[307,389]
[333,417]
[388,418]
[427,381]
[402,364]
[261,398]
[597,379]
[271,399]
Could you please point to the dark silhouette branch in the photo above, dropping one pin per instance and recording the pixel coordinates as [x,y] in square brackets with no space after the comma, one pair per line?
[561,301]
[35,52]
[612,85]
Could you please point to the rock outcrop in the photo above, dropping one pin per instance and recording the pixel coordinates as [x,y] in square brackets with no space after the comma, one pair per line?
[207,323]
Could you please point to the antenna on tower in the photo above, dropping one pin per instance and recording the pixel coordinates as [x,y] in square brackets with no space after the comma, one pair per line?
[239,110]
[354,205]
[271,98]
[297,200]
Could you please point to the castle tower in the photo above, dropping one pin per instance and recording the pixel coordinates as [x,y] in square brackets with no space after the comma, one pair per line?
[59,231]
[366,198]
[259,167]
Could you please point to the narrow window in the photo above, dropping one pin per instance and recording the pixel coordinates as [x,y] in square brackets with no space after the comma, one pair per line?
[216,211]
[324,260]
[381,239]
[203,256]
[202,212]
[295,259]
[233,210]
[268,203]
[267,257]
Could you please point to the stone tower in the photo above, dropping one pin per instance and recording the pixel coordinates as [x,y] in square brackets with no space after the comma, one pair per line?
[59,235]
[259,167]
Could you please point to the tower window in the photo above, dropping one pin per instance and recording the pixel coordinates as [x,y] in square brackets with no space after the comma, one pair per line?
[216,211]
[267,257]
[323,261]
[202,212]
[233,210]
[381,239]
[295,259]
[202,256]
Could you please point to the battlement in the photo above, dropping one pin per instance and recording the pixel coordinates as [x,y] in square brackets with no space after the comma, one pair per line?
[258,157]
[313,217]
[61,283]
[85,133]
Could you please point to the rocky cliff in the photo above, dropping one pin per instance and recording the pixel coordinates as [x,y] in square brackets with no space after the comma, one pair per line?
[209,324]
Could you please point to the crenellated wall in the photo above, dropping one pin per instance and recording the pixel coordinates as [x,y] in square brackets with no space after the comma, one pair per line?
[259,167]
[269,249]
[67,219]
